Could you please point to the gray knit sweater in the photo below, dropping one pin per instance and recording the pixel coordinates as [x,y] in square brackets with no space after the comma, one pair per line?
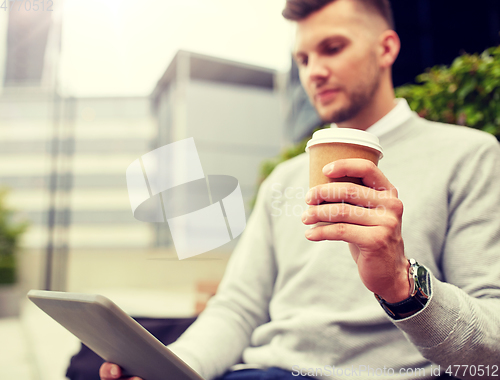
[288,302]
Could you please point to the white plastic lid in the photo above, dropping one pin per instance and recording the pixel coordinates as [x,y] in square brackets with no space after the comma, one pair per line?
[346,136]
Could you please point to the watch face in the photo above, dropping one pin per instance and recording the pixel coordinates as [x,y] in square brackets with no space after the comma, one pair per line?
[424,281]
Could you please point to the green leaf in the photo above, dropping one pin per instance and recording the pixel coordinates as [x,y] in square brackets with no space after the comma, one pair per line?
[469,86]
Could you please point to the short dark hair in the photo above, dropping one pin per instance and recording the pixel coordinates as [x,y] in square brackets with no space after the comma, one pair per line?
[297,10]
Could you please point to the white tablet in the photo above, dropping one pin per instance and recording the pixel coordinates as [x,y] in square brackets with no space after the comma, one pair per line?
[113,335]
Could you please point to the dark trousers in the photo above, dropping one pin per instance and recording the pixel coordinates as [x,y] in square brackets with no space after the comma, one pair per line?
[272,373]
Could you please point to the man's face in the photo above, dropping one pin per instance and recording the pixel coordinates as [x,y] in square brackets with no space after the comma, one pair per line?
[335,51]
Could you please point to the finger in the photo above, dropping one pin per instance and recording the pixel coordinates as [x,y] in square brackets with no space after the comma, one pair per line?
[347,192]
[372,238]
[370,174]
[346,213]
[109,371]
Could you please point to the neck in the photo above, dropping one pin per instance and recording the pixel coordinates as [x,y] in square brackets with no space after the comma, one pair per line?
[382,103]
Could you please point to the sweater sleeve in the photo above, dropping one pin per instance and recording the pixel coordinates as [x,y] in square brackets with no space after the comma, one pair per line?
[216,340]
[460,324]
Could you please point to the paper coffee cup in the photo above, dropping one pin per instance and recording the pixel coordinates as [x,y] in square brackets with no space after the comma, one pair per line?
[331,144]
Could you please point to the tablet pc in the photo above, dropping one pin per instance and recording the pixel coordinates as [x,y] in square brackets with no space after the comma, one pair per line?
[113,335]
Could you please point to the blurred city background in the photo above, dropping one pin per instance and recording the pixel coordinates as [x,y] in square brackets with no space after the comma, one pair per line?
[86,87]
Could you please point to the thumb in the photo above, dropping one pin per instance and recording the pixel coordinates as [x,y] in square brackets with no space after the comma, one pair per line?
[109,371]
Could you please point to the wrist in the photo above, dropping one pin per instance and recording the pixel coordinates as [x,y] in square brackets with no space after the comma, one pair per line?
[420,284]
[402,287]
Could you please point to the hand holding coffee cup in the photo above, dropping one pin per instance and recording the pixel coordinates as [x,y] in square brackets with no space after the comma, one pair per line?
[366,214]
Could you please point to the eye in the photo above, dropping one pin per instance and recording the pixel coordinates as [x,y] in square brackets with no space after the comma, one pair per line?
[333,49]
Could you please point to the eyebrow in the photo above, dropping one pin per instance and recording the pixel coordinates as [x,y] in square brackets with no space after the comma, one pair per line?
[322,43]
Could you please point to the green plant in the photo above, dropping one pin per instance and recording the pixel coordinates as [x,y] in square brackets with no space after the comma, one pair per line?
[465,93]
[10,232]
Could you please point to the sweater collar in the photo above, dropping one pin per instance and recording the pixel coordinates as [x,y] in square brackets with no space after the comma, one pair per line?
[397,116]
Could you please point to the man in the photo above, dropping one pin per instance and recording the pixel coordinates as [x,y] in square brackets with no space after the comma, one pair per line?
[296,307]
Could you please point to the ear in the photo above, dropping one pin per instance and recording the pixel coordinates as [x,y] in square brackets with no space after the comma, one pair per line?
[389,46]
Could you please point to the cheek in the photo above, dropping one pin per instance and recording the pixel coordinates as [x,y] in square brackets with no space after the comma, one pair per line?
[302,78]
[354,62]
[356,73]
[305,83]
[344,69]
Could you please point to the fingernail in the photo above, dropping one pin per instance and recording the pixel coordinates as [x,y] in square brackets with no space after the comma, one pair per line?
[308,233]
[327,169]
[308,197]
[304,218]
[114,371]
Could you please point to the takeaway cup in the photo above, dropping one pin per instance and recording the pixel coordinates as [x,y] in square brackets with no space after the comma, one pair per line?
[331,144]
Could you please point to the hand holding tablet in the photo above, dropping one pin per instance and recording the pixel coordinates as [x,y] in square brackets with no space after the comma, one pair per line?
[110,371]
[113,335]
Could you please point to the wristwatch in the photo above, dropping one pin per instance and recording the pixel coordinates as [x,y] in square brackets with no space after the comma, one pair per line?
[420,291]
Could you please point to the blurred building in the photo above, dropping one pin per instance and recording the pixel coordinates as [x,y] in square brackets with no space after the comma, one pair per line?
[231,109]
[3,49]
[64,159]
[29,39]
[97,139]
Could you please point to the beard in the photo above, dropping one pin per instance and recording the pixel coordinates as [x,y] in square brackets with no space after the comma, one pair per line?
[358,98]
